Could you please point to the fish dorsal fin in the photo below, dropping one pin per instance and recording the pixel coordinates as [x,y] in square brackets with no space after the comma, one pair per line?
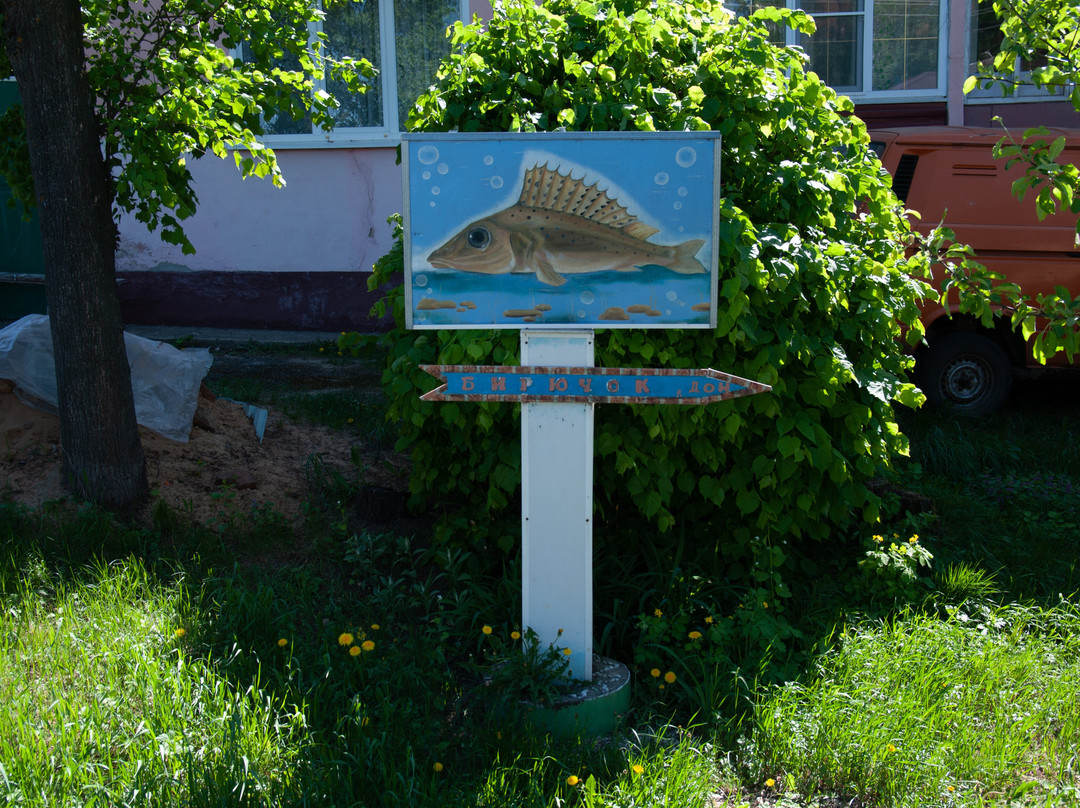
[546,188]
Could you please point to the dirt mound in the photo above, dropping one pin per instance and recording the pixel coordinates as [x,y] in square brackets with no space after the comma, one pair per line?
[222,466]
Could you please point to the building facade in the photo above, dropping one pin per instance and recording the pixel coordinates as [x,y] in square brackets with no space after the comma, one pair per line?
[299,257]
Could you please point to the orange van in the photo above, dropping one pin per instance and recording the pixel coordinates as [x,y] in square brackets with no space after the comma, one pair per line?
[950,172]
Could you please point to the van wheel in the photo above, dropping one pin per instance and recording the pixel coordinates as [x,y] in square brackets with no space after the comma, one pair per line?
[967,372]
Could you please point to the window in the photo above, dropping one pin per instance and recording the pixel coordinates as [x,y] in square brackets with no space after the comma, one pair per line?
[404,40]
[888,49]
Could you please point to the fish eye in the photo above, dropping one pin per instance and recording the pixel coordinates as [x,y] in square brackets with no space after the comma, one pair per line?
[478,237]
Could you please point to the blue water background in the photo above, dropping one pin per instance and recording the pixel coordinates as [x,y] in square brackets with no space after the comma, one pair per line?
[578,302]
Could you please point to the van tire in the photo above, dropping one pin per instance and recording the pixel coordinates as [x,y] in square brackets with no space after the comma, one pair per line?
[965,372]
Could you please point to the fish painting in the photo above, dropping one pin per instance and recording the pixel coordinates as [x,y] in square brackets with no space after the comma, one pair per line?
[561,226]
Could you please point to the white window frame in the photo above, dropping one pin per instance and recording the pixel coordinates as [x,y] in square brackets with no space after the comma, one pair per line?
[389,134]
[871,96]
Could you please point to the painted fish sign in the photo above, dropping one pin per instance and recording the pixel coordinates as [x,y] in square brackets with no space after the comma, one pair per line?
[557,235]
[560,230]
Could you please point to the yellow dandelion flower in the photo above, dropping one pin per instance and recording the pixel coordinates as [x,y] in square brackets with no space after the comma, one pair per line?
[661,687]
[374,626]
[566,651]
[282,642]
[657,613]
[709,619]
[438,766]
[765,604]
[694,635]
[515,635]
[770,783]
[638,768]
[952,788]
[354,650]
[879,539]
[913,539]
[669,677]
[890,748]
[180,632]
[655,673]
[368,645]
[486,629]
[345,638]
[572,780]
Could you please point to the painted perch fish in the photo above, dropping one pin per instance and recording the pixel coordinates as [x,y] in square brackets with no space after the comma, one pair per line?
[561,226]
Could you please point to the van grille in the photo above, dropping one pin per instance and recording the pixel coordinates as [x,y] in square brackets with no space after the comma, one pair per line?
[905,173]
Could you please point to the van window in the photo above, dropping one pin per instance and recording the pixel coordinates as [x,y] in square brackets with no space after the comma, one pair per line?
[905,174]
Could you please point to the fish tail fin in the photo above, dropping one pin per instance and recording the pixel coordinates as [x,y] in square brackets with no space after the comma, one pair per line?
[685,263]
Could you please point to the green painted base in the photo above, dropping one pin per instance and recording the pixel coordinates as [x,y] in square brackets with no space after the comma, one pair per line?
[590,712]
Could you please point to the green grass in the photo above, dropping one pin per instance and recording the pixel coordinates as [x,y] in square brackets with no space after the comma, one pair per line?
[926,710]
[165,664]
[103,702]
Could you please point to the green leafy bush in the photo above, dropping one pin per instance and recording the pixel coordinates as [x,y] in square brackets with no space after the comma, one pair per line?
[811,285]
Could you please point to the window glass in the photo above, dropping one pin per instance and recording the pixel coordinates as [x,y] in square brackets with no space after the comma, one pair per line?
[352,29]
[905,44]
[835,51]
[421,43]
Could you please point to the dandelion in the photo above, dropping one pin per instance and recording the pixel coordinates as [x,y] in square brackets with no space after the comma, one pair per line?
[374,626]
[368,645]
[354,651]
[765,604]
[669,677]
[709,619]
[890,748]
[486,629]
[438,767]
[566,651]
[694,635]
[515,635]
[345,638]
[638,768]
[179,632]
[879,539]
[572,780]
[952,788]
[655,673]
[657,613]
[770,783]
[913,539]
[282,642]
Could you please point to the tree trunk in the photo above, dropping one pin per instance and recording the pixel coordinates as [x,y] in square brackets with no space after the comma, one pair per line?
[102,454]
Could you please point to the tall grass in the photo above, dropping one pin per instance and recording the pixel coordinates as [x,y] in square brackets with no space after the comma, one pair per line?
[103,703]
[922,710]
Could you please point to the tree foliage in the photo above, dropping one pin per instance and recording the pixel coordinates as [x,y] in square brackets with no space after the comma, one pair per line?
[169,89]
[813,290]
[1043,36]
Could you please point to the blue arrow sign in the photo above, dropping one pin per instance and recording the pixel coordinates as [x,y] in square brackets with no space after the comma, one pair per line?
[586,385]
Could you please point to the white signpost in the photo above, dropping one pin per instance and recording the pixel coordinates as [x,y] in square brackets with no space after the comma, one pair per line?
[558,235]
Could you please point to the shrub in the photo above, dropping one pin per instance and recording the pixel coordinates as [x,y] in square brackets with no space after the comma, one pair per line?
[811,285]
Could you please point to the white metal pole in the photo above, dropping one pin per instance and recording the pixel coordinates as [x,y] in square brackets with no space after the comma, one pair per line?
[556,505]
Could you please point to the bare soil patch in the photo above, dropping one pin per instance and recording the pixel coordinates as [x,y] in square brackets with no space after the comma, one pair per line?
[222,463]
